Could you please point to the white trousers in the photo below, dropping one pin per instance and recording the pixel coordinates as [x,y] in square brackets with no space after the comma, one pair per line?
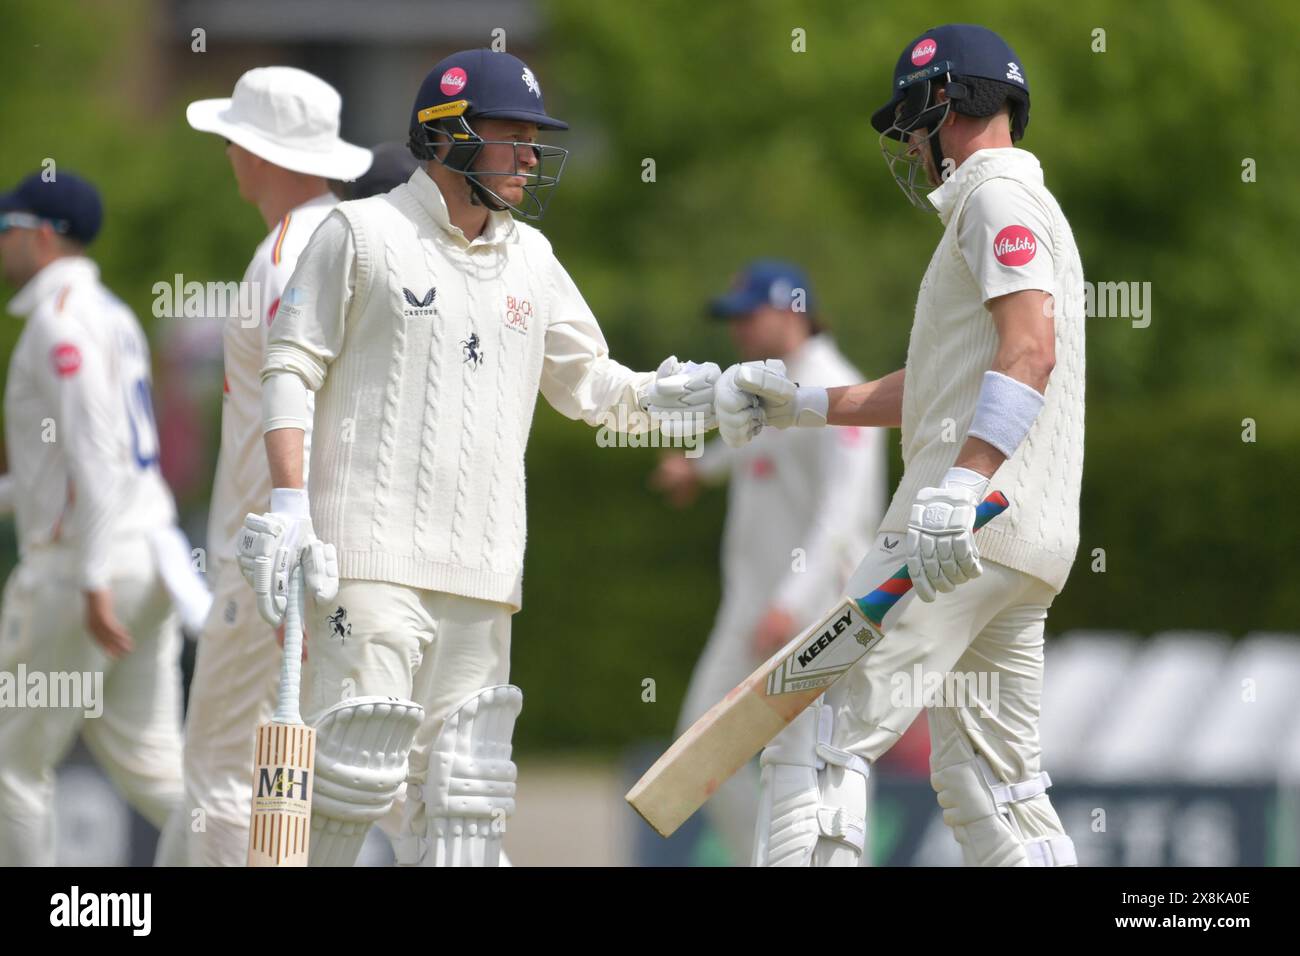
[991,626]
[136,739]
[232,692]
[434,648]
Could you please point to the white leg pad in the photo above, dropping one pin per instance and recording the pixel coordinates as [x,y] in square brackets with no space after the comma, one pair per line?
[470,788]
[978,807]
[362,746]
[813,797]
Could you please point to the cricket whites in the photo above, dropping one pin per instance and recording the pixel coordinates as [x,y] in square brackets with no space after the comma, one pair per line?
[756,710]
[284,758]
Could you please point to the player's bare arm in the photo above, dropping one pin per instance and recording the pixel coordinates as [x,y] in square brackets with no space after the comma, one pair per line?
[1026,353]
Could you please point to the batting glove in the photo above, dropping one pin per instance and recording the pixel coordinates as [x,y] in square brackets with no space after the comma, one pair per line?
[782,401]
[739,416]
[681,397]
[941,551]
[271,544]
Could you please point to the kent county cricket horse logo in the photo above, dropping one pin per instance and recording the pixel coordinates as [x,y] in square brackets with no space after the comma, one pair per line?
[339,624]
[470,349]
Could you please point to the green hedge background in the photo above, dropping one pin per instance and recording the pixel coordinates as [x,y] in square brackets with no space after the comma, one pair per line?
[759,150]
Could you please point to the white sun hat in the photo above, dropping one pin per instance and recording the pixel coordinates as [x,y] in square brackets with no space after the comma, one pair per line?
[287,117]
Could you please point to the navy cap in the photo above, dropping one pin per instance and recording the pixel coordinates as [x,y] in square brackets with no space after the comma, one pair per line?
[764,282]
[494,85]
[961,49]
[67,200]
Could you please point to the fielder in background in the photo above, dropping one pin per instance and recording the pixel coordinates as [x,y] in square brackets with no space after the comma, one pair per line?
[426,320]
[802,507]
[993,390]
[281,129]
[91,605]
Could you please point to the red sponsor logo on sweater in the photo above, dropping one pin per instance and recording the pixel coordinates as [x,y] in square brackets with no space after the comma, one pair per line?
[66,358]
[762,467]
[1014,246]
[518,313]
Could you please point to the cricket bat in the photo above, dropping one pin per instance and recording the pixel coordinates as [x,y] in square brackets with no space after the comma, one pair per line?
[284,758]
[756,710]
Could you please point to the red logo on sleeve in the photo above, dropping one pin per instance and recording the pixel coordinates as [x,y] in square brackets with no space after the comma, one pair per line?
[66,358]
[1014,246]
[270,313]
[924,52]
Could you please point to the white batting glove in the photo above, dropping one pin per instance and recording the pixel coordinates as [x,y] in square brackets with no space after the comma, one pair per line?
[320,569]
[784,403]
[739,417]
[681,397]
[941,551]
[270,545]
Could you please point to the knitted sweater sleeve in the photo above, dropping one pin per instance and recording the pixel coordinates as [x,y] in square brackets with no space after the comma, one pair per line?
[579,378]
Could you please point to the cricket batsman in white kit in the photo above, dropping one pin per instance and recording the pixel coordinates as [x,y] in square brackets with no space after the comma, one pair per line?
[991,398]
[802,507]
[426,320]
[282,131]
[103,567]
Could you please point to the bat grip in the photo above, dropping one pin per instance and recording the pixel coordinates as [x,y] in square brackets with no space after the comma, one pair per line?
[287,708]
[879,602]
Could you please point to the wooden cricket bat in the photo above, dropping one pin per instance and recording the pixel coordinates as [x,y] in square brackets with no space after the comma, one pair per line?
[756,710]
[284,758]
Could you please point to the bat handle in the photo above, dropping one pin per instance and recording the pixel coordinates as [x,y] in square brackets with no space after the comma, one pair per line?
[879,602]
[287,708]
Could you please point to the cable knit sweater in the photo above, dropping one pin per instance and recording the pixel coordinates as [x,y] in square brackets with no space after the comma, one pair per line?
[997,240]
[426,352]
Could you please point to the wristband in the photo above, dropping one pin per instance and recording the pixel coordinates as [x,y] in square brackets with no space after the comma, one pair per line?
[290,501]
[1005,412]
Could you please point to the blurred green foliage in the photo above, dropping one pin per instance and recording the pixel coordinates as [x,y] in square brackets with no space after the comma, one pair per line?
[759,150]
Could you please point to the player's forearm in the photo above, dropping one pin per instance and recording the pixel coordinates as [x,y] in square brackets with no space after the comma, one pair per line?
[878,403]
[284,455]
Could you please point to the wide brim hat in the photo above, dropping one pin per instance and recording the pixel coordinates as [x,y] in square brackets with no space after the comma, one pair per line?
[287,117]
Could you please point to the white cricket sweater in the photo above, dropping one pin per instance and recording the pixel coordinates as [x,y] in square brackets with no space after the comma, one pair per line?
[1002,227]
[426,352]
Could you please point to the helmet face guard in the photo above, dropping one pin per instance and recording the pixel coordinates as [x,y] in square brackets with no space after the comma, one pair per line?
[447,125]
[917,120]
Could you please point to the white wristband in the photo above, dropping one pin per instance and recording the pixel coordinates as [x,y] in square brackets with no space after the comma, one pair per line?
[290,501]
[1005,412]
[811,406]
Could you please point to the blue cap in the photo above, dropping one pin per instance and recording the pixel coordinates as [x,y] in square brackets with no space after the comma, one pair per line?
[961,49]
[494,85]
[764,282]
[69,201]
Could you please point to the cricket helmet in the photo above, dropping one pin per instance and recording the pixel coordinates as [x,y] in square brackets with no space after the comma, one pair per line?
[474,84]
[979,73]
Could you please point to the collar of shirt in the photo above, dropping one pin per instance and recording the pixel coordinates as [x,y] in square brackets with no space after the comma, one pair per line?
[500,225]
[47,283]
[976,168]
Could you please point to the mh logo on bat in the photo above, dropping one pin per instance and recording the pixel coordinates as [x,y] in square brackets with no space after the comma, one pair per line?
[283,783]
